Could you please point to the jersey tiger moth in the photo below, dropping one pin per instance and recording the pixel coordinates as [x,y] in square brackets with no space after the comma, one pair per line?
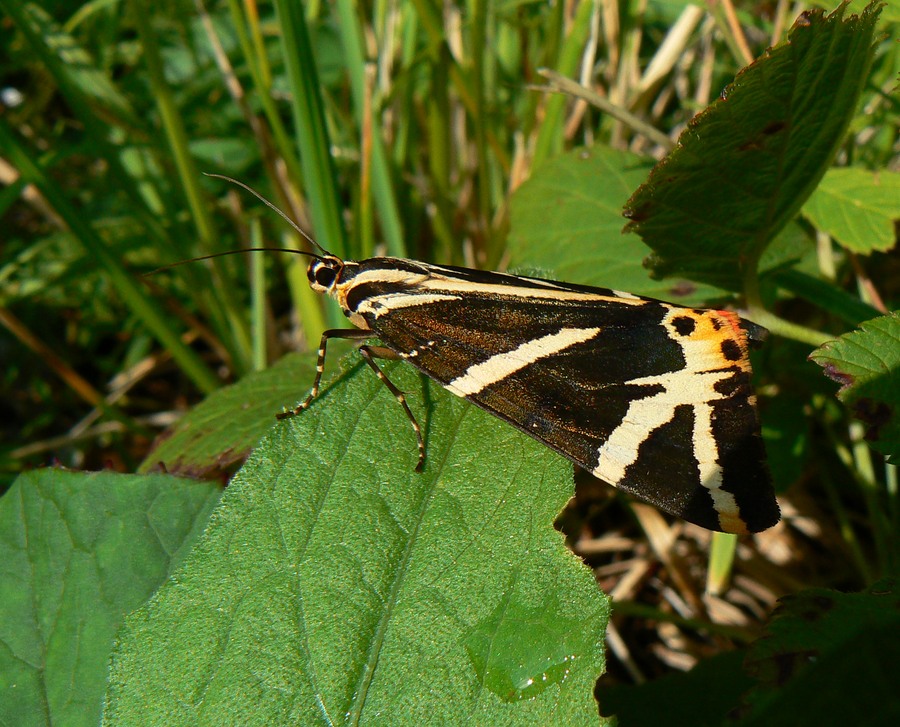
[651,397]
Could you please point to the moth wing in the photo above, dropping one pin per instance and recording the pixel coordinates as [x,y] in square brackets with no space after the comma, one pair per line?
[653,398]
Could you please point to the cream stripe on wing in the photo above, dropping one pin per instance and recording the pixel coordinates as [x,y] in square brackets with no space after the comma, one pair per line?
[498,367]
[706,452]
[646,415]
[379,305]
[449,285]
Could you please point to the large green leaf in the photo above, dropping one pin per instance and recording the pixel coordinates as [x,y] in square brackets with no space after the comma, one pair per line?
[78,552]
[336,585]
[567,224]
[857,208]
[867,365]
[743,167]
[222,430]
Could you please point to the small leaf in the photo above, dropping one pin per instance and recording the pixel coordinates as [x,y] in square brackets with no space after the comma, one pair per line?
[566,221]
[222,430]
[743,167]
[337,585]
[78,552]
[857,208]
[867,365]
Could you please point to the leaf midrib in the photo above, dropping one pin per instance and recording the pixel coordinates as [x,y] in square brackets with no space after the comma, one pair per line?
[368,673]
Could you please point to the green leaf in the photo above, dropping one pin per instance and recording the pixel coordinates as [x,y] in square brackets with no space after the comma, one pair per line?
[857,208]
[867,365]
[566,221]
[78,552]
[337,585]
[222,430]
[743,167]
[829,658]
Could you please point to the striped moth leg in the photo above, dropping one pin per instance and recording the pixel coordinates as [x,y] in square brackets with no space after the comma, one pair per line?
[369,354]
[352,334]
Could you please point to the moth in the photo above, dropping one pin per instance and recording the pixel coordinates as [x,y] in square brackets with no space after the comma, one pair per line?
[653,398]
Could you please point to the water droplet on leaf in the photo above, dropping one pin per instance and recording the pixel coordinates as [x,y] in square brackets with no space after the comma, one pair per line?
[520,649]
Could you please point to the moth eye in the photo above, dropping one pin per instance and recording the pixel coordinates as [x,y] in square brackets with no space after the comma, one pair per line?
[322,275]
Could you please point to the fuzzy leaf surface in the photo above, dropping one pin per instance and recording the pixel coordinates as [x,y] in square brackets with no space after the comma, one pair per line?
[335,585]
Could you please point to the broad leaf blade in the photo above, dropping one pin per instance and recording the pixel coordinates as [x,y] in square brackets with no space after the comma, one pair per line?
[566,223]
[743,167]
[337,585]
[222,430]
[78,552]
[867,365]
[857,208]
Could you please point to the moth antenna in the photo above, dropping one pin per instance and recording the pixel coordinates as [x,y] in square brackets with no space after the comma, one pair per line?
[233,252]
[272,207]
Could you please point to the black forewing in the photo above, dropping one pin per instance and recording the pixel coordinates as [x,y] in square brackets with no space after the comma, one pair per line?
[573,400]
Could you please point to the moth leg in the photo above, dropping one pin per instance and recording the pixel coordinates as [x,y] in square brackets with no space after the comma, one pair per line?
[353,334]
[369,353]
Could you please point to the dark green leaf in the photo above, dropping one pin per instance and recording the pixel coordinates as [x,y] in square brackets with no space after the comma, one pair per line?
[867,365]
[829,659]
[703,696]
[78,552]
[743,167]
[336,585]
[785,429]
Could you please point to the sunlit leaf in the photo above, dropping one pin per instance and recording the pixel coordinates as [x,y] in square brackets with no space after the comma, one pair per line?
[336,584]
[77,552]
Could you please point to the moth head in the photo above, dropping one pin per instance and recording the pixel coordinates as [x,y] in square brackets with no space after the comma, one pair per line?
[324,272]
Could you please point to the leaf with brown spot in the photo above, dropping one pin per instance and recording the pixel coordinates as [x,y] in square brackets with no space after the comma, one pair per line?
[744,166]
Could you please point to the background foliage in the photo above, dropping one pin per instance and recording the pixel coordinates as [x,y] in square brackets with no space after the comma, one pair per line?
[418,129]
